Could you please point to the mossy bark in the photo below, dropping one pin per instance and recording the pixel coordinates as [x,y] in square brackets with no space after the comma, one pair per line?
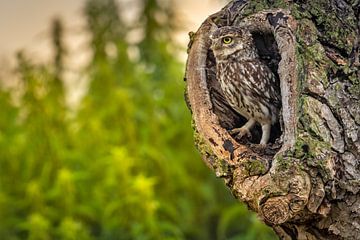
[306,183]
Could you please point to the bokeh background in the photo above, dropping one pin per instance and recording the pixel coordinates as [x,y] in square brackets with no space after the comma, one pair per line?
[95,137]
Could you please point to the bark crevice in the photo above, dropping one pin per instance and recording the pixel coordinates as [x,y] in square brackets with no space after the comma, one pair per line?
[305,184]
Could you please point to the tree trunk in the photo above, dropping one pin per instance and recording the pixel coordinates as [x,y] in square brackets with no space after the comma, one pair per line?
[305,184]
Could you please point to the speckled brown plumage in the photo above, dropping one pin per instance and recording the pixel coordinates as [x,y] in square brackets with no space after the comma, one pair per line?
[248,84]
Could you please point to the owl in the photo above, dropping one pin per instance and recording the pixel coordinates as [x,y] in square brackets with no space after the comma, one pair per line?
[249,86]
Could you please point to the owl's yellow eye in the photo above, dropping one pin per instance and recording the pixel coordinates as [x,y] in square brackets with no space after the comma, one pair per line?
[227,40]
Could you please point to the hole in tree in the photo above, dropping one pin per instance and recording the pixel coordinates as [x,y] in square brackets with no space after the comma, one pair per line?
[229,119]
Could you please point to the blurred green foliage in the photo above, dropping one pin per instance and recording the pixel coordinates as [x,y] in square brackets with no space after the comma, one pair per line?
[123,165]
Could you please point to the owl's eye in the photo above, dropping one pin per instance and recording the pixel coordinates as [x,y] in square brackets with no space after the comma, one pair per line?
[227,40]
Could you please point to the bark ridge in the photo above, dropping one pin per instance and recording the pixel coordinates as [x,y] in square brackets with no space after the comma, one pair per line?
[306,183]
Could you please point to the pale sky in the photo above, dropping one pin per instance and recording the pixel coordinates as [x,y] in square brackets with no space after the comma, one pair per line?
[24,24]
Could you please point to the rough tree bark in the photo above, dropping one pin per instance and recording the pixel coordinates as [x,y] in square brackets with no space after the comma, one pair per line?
[306,183]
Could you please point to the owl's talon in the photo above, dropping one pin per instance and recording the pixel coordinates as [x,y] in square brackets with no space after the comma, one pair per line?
[240,132]
[241,135]
[234,131]
[262,146]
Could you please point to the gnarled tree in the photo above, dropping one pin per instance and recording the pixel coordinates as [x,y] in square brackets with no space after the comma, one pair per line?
[306,182]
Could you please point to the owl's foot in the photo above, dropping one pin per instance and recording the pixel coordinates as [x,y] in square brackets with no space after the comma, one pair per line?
[240,132]
[244,130]
[262,146]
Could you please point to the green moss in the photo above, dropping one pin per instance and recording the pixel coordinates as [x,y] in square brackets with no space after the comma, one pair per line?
[283,163]
[259,5]
[298,13]
[312,119]
[355,87]
[281,4]
[255,167]
[265,4]
[315,67]
[255,6]
[220,165]
[315,153]
[306,32]
[299,152]
[308,147]
[352,74]
[201,144]
[332,30]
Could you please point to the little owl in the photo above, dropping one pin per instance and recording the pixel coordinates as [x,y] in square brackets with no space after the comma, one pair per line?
[249,86]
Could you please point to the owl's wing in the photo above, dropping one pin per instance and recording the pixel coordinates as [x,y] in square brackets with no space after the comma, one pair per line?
[264,83]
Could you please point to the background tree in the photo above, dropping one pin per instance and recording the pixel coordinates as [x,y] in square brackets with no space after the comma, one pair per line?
[305,183]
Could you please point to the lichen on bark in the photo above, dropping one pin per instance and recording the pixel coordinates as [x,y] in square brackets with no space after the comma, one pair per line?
[306,183]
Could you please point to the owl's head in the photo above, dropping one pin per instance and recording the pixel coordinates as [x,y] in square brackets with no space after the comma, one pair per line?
[232,41]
